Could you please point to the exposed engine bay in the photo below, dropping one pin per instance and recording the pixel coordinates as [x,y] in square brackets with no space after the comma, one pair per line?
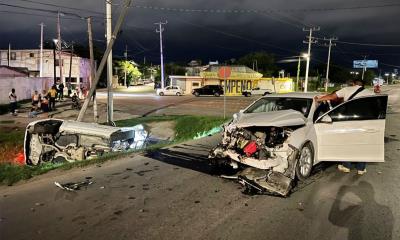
[264,159]
[58,141]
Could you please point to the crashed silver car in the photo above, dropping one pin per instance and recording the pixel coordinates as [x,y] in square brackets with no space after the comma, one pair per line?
[279,138]
[55,140]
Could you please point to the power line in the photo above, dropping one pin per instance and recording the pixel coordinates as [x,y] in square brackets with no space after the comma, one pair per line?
[60,6]
[370,44]
[242,11]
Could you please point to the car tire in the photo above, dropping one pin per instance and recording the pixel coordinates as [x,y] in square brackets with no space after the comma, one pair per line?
[161,94]
[266,93]
[178,94]
[216,94]
[305,162]
[197,94]
[247,94]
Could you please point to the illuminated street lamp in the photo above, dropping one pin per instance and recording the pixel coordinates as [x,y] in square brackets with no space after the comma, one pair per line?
[387,78]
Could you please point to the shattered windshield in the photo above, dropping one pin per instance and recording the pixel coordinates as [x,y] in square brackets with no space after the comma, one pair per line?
[302,105]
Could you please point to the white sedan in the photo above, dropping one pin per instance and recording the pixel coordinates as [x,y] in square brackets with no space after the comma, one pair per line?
[280,137]
[170,90]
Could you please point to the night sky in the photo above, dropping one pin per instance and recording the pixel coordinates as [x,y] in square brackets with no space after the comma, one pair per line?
[221,30]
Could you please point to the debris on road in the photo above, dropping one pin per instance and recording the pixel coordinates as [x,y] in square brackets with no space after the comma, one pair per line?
[74,186]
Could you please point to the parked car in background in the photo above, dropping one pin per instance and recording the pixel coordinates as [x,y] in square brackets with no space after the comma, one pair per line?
[279,138]
[215,90]
[170,91]
[256,91]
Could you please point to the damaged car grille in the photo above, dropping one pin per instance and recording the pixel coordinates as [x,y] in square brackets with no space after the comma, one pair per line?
[262,156]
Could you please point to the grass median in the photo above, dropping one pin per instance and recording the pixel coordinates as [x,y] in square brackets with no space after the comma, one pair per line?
[187,127]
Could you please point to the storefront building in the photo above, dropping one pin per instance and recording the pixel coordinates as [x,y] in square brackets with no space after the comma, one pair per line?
[241,78]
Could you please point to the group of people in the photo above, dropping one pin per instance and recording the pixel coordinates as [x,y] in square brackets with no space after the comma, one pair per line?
[44,101]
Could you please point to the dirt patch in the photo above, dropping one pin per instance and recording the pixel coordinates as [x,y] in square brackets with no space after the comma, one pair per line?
[164,130]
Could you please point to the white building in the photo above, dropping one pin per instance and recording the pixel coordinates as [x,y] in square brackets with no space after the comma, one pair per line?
[30,59]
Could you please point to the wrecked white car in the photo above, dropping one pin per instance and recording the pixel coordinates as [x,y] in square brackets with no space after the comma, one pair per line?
[54,140]
[279,138]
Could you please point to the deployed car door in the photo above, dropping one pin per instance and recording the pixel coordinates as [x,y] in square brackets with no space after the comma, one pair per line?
[353,131]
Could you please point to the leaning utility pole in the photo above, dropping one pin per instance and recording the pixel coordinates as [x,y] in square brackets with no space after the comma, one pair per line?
[161,30]
[110,110]
[104,59]
[329,59]
[126,61]
[41,50]
[59,46]
[92,68]
[309,42]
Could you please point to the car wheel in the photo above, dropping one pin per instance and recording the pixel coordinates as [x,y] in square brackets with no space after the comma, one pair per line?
[161,94]
[305,162]
[247,94]
[178,94]
[216,94]
[197,94]
[266,93]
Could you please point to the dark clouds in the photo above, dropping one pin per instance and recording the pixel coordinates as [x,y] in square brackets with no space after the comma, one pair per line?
[220,36]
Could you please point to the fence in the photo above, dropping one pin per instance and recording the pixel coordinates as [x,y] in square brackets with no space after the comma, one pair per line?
[24,87]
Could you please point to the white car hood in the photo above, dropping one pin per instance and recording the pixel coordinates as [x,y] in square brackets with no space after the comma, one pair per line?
[282,118]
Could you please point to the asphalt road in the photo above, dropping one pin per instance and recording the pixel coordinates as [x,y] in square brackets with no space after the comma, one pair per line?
[150,104]
[171,194]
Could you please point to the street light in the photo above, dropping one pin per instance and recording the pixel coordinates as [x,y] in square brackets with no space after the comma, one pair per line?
[387,78]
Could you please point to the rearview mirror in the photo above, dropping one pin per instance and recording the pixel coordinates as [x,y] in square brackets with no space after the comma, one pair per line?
[326,119]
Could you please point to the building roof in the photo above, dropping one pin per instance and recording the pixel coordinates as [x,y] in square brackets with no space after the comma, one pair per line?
[6,71]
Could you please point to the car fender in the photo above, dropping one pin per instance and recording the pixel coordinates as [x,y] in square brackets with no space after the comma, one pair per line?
[301,136]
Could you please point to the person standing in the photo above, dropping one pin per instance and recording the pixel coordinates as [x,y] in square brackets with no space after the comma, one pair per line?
[52,98]
[35,100]
[60,91]
[356,89]
[13,101]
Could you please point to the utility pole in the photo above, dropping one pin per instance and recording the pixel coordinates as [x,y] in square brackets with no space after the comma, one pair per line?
[59,46]
[298,74]
[92,68]
[118,25]
[364,68]
[41,49]
[126,61]
[161,30]
[309,42]
[329,59]
[9,54]
[110,108]
[70,64]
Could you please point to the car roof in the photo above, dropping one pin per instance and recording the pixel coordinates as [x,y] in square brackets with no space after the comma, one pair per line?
[309,95]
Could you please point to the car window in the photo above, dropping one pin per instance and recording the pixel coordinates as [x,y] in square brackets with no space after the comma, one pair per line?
[302,105]
[167,88]
[365,108]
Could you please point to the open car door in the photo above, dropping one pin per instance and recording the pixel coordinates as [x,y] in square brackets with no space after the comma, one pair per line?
[353,131]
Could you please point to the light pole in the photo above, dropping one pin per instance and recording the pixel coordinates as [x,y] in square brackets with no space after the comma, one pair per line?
[309,42]
[55,41]
[387,78]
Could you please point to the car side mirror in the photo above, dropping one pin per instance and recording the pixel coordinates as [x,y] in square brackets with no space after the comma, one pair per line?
[326,119]
[241,110]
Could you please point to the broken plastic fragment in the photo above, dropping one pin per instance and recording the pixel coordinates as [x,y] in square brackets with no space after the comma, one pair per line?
[73,186]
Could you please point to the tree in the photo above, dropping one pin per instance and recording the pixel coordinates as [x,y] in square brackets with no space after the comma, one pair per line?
[132,72]
[261,61]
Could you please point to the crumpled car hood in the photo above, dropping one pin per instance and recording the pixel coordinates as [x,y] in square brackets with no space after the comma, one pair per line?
[282,118]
